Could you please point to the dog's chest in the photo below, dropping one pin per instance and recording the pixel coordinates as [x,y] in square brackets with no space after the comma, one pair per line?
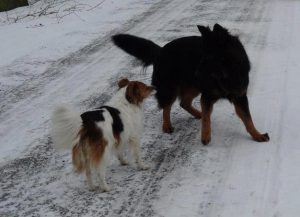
[133,118]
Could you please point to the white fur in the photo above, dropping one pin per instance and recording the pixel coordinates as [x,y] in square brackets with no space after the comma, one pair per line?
[66,125]
[133,118]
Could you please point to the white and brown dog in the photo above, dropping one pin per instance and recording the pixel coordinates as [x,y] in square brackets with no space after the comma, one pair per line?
[94,135]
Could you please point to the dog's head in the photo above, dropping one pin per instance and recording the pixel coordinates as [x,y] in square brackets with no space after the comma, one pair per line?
[136,91]
[225,57]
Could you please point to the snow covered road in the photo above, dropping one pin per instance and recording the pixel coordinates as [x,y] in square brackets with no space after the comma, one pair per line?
[233,176]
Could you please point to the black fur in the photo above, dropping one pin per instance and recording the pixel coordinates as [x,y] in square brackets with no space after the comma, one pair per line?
[117,124]
[90,117]
[215,64]
[89,120]
[143,49]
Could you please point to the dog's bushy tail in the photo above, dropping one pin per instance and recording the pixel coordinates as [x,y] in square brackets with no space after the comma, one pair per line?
[65,128]
[143,49]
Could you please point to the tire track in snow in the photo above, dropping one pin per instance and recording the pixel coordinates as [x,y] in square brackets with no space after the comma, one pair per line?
[33,86]
[252,16]
[272,182]
[269,185]
[250,7]
[16,170]
[138,190]
[179,149]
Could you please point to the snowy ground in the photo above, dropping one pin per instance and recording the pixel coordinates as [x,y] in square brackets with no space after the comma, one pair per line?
[44,62]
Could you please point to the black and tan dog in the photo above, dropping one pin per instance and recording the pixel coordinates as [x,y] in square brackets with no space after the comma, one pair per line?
[215,65]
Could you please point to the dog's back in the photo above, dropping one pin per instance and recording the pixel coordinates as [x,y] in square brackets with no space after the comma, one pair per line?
[177,62]
[214,64]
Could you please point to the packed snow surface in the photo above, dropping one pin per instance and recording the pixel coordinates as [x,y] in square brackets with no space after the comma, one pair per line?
[69,58]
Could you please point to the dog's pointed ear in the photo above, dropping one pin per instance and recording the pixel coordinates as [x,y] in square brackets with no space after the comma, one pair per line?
[204,30]
[219,29]
[122,83]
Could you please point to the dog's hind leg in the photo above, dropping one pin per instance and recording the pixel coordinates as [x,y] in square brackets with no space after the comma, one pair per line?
[89,177]
[207,107]
[242,110]
[89,174]
[87,164]
[102,178]
[101,170]
[187,96]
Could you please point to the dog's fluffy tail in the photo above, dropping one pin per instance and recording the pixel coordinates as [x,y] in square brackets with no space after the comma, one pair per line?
[143,49]
[66,125]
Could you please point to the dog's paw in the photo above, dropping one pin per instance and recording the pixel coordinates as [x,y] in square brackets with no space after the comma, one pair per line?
[92,188]
[205,136]
[168,129]
[106,188]
[144,166]
[123,162]
[262,138]
[205,141]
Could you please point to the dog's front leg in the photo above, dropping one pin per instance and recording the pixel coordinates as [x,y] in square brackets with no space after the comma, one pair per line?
[207,107]
[134,144]
[242,110]
[121,154]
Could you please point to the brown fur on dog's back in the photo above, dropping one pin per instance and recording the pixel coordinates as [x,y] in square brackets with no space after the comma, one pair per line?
[89,150]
